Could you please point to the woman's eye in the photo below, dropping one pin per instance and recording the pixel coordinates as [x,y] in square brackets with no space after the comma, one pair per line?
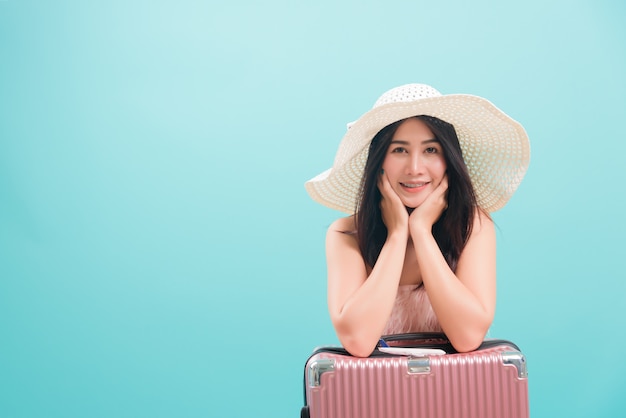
[431,150]
[399,150]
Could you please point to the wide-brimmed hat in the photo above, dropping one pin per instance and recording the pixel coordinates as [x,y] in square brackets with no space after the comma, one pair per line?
[495,147]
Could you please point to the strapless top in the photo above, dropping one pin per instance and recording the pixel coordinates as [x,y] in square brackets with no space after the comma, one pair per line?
[412,312]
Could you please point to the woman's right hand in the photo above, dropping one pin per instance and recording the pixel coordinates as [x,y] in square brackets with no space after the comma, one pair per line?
[395,215]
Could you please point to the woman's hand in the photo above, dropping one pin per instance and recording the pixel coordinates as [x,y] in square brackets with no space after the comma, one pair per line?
[425,215]
[395,215]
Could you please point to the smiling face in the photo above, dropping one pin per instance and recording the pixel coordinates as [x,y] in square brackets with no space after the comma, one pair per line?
[414,162]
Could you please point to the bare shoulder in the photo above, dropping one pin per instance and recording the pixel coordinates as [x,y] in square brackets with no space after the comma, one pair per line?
[477,262]
[343,225]
[482,223]
[341,232]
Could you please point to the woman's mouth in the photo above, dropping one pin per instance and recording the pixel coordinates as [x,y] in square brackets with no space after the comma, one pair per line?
[414,187]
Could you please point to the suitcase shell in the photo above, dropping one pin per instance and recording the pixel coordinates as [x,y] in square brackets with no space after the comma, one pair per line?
[491,382]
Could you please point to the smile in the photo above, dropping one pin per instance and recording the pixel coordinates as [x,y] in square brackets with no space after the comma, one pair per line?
[412,185]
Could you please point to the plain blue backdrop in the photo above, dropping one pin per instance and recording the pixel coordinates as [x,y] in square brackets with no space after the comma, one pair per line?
[159,256]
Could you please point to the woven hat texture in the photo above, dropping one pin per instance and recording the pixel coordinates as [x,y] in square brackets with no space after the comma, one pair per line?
[495,147]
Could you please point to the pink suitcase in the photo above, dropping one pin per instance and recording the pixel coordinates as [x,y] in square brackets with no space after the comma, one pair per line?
[491,382]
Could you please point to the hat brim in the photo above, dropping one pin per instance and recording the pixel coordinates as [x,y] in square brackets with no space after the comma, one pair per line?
[495,149]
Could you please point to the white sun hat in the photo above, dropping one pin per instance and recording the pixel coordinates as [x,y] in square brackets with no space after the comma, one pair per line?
[495,147]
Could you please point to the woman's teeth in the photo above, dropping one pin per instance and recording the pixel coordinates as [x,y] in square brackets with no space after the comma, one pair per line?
[412,185]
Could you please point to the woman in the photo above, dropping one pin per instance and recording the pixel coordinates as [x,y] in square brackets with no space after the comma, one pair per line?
[419,174]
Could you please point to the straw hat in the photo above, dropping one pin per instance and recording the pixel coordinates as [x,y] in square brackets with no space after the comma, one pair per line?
[495,147]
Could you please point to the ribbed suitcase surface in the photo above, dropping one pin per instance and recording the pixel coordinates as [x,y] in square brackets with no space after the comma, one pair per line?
[488,383]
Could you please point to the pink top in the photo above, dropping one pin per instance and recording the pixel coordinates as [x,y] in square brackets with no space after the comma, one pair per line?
[412,312]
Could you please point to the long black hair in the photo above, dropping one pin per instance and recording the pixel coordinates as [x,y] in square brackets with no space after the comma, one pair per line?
[454,226]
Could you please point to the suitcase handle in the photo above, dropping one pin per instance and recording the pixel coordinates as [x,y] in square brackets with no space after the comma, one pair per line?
[439,340]
[436,340]
[427,337]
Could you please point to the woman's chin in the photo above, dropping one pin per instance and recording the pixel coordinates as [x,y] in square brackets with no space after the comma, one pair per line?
[410,205]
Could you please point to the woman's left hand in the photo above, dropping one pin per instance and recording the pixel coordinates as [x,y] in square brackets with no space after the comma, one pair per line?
[425,215]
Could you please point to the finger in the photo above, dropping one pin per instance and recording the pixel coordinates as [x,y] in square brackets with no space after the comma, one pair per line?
[444,182]
[383,185]
[382,188]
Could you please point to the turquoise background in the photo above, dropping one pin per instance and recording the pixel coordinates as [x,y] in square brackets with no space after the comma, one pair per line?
[159,256]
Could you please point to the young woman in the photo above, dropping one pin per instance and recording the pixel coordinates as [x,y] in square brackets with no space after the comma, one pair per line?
[418,174]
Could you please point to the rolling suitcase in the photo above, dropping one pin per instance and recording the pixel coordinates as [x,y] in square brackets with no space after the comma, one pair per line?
[430,380]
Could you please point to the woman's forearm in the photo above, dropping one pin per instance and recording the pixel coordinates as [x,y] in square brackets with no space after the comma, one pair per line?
[461,314]
[364,315]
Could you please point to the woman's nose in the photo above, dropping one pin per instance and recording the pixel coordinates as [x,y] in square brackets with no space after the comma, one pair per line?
[414,165]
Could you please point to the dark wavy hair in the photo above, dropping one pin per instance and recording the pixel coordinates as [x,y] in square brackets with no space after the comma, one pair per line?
[452,229]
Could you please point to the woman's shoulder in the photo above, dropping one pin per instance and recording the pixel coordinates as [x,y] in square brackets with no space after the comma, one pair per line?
[342,234]
[482,222]
[344,225]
